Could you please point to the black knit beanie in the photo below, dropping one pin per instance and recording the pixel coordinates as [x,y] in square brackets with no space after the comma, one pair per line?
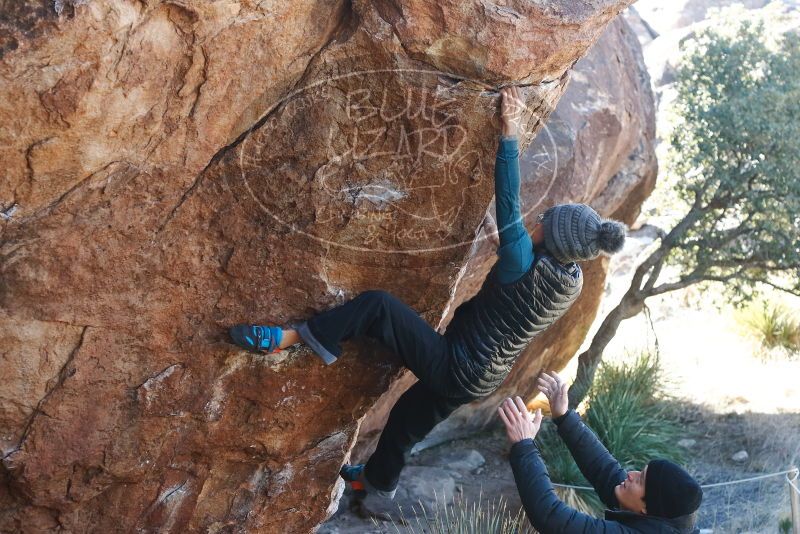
[669,491]
[575,232]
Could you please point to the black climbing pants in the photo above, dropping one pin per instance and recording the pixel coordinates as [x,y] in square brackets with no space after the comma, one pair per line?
[413,416]
[382,316]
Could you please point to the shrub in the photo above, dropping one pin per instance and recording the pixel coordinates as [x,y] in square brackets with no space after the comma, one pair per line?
[628,413]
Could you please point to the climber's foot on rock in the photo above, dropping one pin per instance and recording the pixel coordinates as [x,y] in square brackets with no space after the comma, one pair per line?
[374,506]
[255,338]
[368,501]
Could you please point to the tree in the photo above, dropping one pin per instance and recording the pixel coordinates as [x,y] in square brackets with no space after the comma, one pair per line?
[735,160]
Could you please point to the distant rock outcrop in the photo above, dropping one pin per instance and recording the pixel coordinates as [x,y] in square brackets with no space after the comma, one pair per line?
[662,27]
[171,168]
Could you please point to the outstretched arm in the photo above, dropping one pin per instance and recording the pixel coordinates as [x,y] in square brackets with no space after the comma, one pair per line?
[516,249]
[546,512]
[599,467]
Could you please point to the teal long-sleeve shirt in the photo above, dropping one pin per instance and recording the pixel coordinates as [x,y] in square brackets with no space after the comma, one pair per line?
[516,249]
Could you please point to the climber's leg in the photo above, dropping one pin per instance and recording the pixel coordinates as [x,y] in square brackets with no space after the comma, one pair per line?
[290,337]
[414,415]
[382,316]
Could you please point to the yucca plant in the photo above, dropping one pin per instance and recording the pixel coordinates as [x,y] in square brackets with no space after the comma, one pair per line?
[627,411]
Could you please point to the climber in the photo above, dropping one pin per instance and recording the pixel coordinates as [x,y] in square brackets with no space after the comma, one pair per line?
[533,283]
[662,497]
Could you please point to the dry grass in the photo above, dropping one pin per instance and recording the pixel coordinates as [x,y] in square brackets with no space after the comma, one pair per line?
[463,516]
[774,326]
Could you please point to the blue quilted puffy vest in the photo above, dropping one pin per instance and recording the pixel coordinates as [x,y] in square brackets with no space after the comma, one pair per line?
[489,331]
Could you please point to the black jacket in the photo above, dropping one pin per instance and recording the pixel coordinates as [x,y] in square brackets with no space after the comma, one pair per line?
[549,515]
[489,331]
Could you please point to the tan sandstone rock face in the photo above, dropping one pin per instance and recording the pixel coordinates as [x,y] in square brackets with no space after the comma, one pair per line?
[598,148]
[172,168]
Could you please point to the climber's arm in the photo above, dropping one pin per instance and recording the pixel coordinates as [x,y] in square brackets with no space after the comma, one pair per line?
[516,249]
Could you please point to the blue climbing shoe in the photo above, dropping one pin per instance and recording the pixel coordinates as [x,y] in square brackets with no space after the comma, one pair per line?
[257,338]
[352,474]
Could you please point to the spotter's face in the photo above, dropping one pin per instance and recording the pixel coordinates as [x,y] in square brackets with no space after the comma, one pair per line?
[630,492]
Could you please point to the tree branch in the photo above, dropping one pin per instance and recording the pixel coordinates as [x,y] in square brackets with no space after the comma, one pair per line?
[653,277]
[695,278]
[673,286]
[791,291]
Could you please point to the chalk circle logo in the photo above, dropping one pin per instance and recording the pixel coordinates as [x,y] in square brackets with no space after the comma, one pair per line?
[381,147]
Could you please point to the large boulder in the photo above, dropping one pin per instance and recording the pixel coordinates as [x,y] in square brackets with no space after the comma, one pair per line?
[598,148]
[172,168]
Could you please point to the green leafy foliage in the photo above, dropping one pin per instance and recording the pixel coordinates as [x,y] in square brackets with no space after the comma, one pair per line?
[626,410]
[734,162]
[735,158]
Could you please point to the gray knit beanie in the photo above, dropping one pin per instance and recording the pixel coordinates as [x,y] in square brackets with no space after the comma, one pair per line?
[575,232]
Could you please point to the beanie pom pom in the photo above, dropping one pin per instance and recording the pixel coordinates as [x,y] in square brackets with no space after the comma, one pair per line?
[611,237]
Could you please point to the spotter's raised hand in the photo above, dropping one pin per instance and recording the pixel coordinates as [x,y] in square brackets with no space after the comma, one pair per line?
[555,389]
